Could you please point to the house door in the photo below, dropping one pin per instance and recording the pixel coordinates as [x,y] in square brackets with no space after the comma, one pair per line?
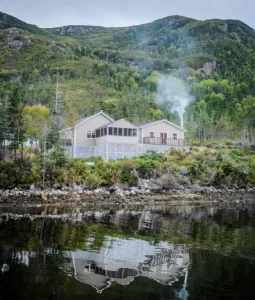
[163,137]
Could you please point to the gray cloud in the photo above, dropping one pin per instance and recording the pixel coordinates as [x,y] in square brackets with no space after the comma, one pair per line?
[52,13]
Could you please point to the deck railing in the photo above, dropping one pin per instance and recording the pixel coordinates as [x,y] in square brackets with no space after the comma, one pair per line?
[163,141]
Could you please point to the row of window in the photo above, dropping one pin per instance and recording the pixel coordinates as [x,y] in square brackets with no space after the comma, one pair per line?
[92,134]
[163,135]
[122,131]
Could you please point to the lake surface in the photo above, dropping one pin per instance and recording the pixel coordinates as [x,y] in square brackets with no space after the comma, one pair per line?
[97,252]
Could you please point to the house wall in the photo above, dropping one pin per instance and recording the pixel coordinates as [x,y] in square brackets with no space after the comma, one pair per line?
[81,130]
[160,127]
[117,139]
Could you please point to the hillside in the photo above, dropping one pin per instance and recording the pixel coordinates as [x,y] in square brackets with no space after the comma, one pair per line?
[7,21]
[174,39]
[117,69]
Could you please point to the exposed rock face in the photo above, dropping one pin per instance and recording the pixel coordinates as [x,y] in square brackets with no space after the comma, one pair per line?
[17,45]
[61,48]
[173,23]
[8,39]
[15,31]
[208,68]
[17,39]
[75,30]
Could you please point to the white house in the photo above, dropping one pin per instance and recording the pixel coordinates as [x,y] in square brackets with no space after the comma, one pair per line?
[121,260]
[100,135]
[161,132]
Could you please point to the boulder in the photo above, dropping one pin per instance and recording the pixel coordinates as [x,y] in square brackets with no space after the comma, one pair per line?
[44,196]
[17,45]
[15,31]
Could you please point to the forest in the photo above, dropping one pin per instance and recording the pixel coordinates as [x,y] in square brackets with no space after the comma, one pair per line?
[49,80]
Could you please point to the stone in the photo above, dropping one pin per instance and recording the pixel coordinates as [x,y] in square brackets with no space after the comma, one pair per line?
[32,187]
[74,186]
[15,31]
[44,196]
[132,192]
[8,39]
[56,185]
[17,45]
[119,192]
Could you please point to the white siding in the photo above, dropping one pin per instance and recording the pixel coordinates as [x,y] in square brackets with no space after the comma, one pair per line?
[81,130]
[158,128]
[117,139]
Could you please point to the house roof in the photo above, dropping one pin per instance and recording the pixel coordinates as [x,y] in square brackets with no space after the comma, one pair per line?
[111,124]
[156,122]
[85,119]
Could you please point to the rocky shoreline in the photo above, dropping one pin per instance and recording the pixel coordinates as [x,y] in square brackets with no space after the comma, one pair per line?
[77,195]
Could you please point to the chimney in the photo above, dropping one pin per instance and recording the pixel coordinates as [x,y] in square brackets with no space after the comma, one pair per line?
[182,122]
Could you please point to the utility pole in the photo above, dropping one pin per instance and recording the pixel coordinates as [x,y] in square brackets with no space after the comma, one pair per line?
[44,154]
[56,104]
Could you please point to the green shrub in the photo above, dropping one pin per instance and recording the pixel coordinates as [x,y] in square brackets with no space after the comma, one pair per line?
[145,166]
[93,181]
[129,177]
[15,173]
[153,155]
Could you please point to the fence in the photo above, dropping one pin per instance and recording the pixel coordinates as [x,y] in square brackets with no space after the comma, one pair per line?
[118,151]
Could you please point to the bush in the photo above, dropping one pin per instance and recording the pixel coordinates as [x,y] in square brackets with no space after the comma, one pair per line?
[15,173]
[93,181]
[153,155]
[129,177]
[144,167]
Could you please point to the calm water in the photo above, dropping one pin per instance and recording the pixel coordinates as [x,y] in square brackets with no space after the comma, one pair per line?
[176,252]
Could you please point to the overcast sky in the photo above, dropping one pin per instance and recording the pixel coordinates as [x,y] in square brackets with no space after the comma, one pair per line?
[53,13]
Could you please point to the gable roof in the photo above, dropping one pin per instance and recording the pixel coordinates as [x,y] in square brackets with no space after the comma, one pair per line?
[85,119]
[156,122]
[115,122]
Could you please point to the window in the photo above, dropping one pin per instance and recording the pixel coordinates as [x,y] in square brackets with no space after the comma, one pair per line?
[175,136]
[130,132]
[134,132]
[105,131]
[110,131]
[91,134]
[102,132]
[120,131]
[125,132]
[115,131]
[98,133]
[151,134]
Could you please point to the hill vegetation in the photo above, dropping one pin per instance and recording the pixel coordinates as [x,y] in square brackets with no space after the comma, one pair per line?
[118,69]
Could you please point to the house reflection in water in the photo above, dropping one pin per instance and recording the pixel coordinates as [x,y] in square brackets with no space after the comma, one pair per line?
[121,260]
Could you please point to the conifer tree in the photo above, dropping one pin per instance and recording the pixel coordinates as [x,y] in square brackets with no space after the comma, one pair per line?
[15,108]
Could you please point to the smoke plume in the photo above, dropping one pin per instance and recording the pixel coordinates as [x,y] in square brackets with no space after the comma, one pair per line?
[173,95]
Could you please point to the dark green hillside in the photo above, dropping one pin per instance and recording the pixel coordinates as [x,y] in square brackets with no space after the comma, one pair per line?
[7,21]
